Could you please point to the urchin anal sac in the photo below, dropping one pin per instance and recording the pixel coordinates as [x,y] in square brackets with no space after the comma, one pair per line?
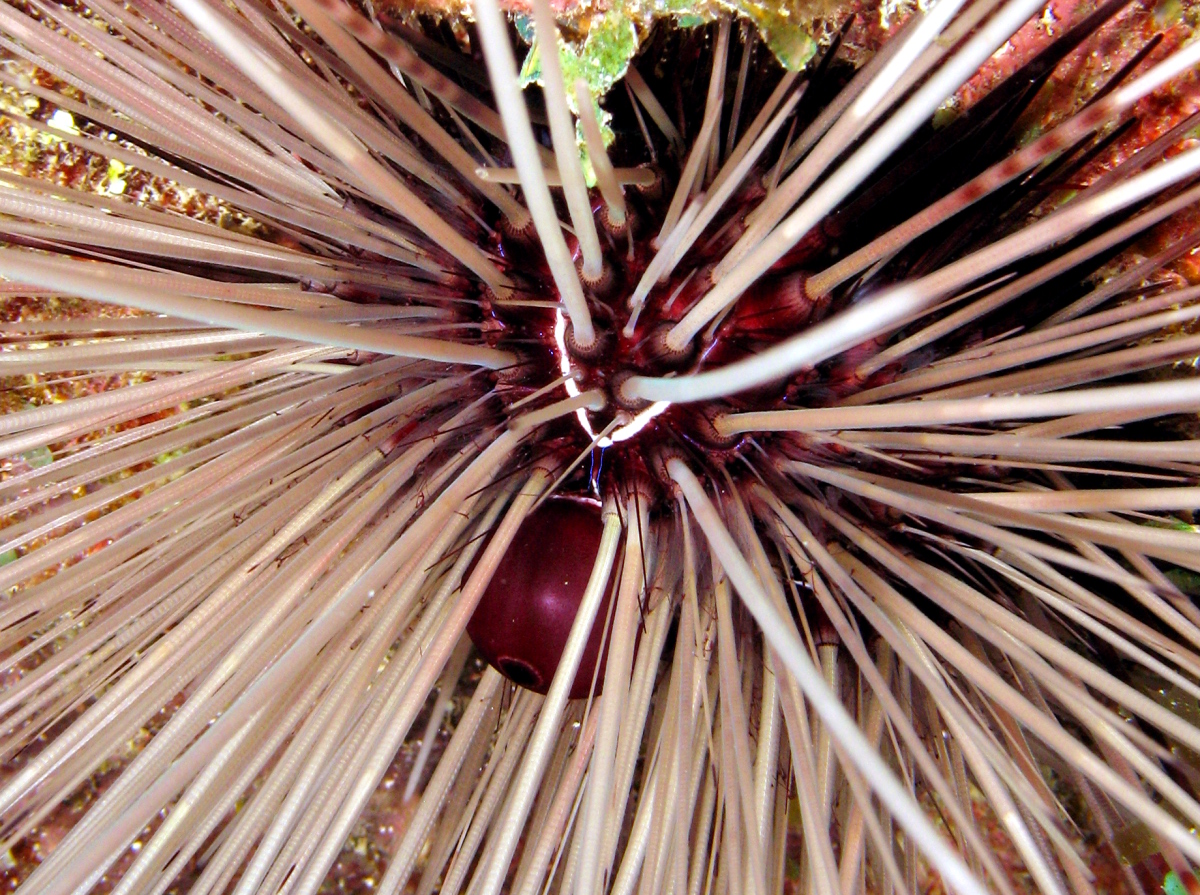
[525,615]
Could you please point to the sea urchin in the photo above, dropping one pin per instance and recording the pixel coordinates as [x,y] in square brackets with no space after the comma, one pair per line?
[837,446]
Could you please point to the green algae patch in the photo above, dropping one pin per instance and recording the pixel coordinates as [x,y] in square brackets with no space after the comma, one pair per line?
[601,60]
[611,39]
[785,28]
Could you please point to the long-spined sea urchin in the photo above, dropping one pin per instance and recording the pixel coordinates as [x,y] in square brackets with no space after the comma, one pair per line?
[889,502]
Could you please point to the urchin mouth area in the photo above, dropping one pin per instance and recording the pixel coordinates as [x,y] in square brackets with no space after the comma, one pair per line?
[630,338]
[610,361]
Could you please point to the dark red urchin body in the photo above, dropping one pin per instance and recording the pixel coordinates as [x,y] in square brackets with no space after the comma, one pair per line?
[522,622]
